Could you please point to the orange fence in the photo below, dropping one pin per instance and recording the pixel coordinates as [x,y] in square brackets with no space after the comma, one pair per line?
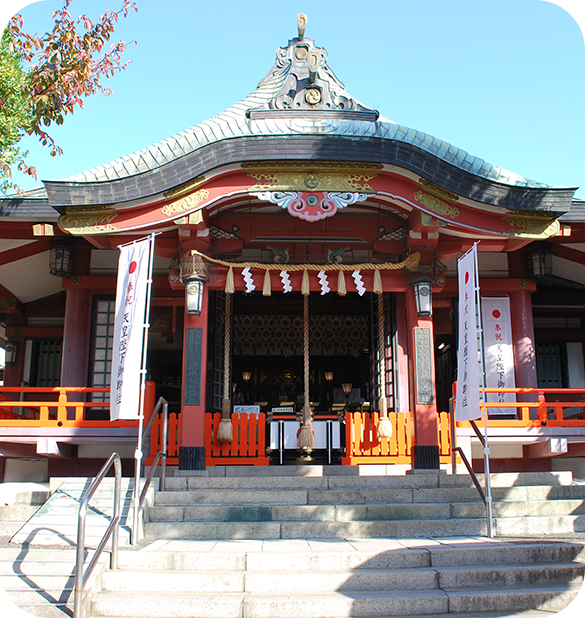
[248,446]
[364,446]
[550,407]
[58,406]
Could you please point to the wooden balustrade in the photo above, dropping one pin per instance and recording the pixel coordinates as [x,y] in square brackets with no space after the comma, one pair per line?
[364,446]
[57,406]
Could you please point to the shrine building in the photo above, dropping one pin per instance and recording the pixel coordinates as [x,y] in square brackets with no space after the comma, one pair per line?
[305,276]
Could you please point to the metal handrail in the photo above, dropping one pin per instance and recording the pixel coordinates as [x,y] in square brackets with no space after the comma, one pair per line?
[81,578]
[160,456]
[457,449]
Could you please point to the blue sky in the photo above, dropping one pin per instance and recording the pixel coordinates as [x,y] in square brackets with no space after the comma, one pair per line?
[502,79]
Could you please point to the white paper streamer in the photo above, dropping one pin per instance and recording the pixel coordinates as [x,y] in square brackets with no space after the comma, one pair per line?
[248,279]
[285,281]
[322,276]
[359,283]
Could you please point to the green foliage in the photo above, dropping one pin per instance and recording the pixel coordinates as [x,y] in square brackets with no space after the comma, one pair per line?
[62,66]
[14,111]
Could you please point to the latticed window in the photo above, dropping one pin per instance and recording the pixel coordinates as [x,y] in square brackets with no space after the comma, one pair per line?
[550,359]
[103,341]
[46,363]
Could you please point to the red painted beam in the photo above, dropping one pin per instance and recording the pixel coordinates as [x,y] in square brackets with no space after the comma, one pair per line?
[28,250]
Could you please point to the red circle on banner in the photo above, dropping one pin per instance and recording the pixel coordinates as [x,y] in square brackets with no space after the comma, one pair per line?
[496,313]
[133,267]
[467,277]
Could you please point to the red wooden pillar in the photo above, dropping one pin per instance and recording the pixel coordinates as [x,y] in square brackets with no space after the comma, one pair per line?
[76,334]
[192,447]
[423,387]
[523,338]
[522,330]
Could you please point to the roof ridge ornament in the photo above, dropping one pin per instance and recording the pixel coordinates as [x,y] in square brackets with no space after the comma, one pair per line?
[306,85]
[302,21]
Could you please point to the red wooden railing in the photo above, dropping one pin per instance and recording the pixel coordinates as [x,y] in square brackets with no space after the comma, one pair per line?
[248,446]
[364,446]
[57,406]
[548,406]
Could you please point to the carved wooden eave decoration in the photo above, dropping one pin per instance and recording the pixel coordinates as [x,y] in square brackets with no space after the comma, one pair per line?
[318,176]
[88,221]
[532,226]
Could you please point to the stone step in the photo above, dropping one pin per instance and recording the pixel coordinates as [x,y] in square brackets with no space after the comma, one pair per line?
[270,582]
[539,526]
[363,496]
[39,581]
[316,529]
[280,556]
[234,605]
[533,508]
[329,512]
[45,610]
[552,599]
[301,513]
[510,576]
[18,512]
[368,471]
[197,559]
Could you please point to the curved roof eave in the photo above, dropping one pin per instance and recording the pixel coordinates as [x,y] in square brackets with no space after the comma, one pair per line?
[310,147]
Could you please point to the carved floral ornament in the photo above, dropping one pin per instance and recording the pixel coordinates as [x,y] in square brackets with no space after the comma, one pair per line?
[319,176]
[311,206]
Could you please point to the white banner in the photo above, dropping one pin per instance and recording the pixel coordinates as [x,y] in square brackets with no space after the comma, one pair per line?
[499,352]
[468,366]
[129,330]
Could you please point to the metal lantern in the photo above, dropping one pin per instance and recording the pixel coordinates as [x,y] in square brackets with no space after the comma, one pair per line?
[11,348]
[60,261]
[423,297]
[540,260]
[194,275]
[194,295]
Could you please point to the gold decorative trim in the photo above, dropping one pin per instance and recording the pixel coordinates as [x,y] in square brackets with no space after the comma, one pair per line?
[82,221]
[526,225]
[186,187]
[185,203]
[315,176]
[431,187]
[430,202]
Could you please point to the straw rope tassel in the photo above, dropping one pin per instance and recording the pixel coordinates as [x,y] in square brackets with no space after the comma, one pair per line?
[266,290]
[306,438]
[225,431]
[341,289]
[384,425]
[229,282]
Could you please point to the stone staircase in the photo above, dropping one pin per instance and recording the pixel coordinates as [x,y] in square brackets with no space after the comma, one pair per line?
[308,502]
[320,579]
[328,542]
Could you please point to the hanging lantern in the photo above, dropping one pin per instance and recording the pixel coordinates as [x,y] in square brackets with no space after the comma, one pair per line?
[60,261]
[423,297]
[194,274]
[540,259]
[194,296]
[10,348]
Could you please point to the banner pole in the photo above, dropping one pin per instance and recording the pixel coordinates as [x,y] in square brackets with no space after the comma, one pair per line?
[483,407]
[138,452]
